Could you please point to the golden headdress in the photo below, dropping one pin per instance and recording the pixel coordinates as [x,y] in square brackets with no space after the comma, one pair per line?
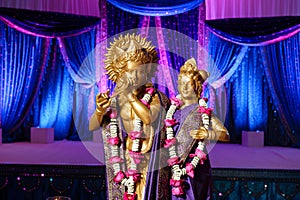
[190,67]
[126,48]
[199,76]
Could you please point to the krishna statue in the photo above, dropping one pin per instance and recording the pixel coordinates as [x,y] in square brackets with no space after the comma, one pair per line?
[132,121]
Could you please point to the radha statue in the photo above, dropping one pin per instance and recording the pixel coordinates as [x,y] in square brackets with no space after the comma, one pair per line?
[189,125]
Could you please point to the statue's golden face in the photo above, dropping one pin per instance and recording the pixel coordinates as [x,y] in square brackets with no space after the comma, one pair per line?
[186,87]
[136,73]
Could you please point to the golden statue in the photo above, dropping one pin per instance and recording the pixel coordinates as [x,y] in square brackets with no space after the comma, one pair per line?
[131,120]
[195,124]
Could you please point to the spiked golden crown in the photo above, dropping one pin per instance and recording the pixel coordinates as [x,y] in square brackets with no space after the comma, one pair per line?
[130,47]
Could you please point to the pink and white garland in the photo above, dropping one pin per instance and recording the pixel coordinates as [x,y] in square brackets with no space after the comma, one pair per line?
[198,157]
[129,178]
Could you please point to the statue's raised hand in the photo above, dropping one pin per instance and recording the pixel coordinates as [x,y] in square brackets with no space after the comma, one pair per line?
[103,102]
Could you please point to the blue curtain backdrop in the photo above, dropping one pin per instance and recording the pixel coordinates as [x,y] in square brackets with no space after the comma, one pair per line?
[248,97]
[261,83]
[282,69]
[56,96]
[23,60]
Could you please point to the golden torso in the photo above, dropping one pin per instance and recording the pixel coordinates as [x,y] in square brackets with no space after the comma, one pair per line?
[127,115]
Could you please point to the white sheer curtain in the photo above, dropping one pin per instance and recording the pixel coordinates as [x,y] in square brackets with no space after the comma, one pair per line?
[77,7]
[220,9]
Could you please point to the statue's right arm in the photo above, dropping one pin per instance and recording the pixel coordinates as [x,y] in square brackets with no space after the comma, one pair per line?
[102,103]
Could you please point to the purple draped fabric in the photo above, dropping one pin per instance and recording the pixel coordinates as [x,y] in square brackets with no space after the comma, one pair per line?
[47,24]
[75,7]
[220,9]
[198,187]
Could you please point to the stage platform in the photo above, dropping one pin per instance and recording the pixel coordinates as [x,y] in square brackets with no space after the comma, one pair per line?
[77,170]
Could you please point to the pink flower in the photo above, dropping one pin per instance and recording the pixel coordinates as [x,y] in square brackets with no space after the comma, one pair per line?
[112,114]
[169,142]
[207,111]
[135,134]
[145,103]
[119,177]
[177,191]
[200,154]
[128,196]
[150,90]
[173,161]
[113,140]
[133,173]
[175,101]
[115,159]
[136,156]
[192,155]
[176,183]
[201,109]
[189,170]
[170,122]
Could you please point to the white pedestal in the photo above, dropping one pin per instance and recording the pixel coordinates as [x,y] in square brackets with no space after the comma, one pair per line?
[41,135]
[253,138]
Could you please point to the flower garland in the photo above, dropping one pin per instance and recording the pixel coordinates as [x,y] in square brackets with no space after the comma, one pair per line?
[129,178]
[198,157]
